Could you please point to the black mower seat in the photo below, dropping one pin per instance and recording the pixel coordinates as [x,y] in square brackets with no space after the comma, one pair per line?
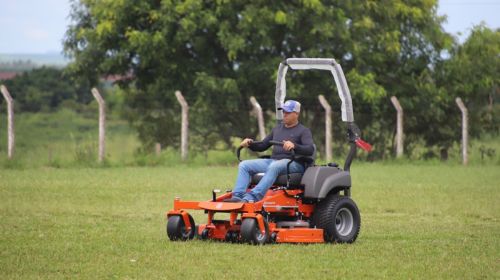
[295,179]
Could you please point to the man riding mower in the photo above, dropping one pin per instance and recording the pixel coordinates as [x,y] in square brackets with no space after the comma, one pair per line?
[310,207]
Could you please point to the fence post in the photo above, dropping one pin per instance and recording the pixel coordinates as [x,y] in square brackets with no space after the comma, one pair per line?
[158,149]
[102,123]
[260,117]
[465,134]
[399,126]
[328,127]
[10,121]
[184,124]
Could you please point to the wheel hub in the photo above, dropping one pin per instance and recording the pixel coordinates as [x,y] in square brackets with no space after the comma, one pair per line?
[344,221]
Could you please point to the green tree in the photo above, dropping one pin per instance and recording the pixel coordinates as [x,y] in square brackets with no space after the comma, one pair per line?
[471,73]
[46,88]
[219,53]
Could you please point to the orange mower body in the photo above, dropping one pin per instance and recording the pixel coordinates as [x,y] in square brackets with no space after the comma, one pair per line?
[277,203]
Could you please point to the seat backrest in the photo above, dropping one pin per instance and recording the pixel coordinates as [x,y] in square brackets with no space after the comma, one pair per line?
[307,160]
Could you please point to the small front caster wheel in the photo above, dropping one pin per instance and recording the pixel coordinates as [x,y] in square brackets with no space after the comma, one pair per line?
[273,237]
[204,234]
[228,236]
[176,229]
[251,233]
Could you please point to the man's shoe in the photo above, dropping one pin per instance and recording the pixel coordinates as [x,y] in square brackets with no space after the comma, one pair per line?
[235,199]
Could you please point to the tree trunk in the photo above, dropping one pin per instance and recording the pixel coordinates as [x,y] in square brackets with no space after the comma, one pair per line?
[444,154]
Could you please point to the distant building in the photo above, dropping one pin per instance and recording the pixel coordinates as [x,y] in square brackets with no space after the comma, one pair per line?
[7,75]
[110,80]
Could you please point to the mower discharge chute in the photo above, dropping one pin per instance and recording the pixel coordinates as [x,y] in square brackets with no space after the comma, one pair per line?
[312,207]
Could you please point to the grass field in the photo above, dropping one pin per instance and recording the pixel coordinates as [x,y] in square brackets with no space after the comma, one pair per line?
[418,222]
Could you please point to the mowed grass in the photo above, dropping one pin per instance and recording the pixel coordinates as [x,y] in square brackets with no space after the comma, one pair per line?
[418,222]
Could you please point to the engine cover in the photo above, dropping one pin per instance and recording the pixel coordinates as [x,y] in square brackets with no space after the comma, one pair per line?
[318,181]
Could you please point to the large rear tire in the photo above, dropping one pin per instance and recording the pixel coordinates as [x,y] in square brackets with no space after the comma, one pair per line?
[339,218]
[251,233]
[176,229]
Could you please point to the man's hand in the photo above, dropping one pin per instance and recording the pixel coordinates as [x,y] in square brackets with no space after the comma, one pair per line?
[288,145]
[246,142]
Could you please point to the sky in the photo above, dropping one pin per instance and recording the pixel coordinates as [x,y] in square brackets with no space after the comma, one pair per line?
[38,26]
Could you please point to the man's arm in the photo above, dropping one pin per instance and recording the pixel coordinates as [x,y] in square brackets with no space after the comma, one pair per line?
[263,145]
[306,148]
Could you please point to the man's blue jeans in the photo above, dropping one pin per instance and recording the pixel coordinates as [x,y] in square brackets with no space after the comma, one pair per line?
[272,169]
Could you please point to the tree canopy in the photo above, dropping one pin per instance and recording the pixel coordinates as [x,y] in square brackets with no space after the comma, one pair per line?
[45,89]
[219,53]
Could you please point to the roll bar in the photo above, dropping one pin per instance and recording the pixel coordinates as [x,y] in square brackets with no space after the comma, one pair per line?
[328,64]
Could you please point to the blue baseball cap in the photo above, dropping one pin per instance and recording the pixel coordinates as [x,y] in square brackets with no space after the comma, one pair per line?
[290,106]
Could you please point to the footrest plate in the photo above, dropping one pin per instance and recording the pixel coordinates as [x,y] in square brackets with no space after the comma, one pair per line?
[220,206]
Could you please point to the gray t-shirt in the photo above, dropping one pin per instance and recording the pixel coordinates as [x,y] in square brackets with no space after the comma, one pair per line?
[300,136]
